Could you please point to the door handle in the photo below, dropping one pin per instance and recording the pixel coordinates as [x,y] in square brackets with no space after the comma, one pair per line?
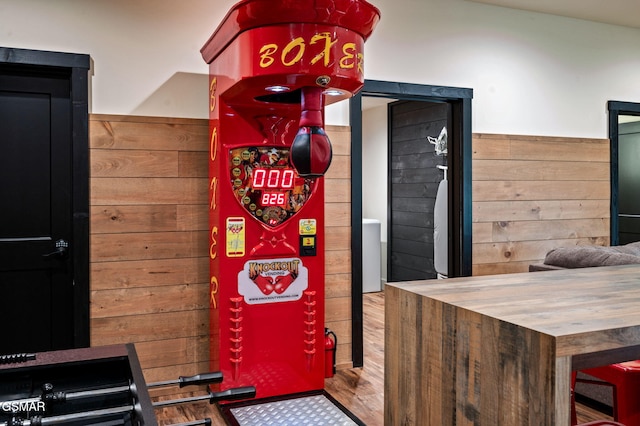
[61,251]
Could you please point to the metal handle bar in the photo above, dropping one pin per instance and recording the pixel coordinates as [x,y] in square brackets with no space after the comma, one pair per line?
[226,395]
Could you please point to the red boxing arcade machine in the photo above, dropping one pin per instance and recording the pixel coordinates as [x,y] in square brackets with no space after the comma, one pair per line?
[274,64]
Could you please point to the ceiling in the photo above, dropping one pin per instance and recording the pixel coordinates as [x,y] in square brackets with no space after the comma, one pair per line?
[616,12]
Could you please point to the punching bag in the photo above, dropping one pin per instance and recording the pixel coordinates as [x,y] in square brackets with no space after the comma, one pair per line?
[311,149]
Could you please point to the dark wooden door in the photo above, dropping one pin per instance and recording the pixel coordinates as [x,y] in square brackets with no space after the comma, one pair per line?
[628,182]
[414,179]
[36,238]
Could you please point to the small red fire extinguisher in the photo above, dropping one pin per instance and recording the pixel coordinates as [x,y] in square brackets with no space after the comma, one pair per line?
[329,352]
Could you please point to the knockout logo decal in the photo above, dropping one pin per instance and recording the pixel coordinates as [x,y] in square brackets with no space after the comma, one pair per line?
[272,280]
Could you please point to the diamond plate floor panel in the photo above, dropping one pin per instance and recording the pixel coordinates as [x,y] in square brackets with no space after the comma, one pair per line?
[316,410]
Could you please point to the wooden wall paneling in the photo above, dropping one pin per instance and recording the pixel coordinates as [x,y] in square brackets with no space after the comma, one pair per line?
[521,170]
[192,164]
[521,147]
[337,262]
[138,163]
[539,190]
[340,167]
[133,218]
[163,358]
[149,327]
[340,137]
[149,245]
[340,308]
[339,285]
[515,251]
[149,300]
[192,217]
[486,211]
[532,194]
[337,215]
[337,191]
[156,190]
[148,273]
[337,237]
[502,267]
[338,243]
[153,133]
[165,352]
[500,231]
[343,350]
[149,240]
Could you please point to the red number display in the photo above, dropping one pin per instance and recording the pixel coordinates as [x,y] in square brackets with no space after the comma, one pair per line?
[287,178]
[273,199]
[273,178]
[259,175]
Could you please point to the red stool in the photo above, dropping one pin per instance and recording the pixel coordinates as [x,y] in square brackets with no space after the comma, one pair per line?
[625,378]
[574,419]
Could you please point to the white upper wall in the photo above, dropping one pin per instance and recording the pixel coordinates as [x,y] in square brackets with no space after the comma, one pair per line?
[531,73]
[145,53]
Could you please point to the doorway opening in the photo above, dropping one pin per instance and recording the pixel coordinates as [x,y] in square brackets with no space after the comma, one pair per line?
[624,139]
[457,103]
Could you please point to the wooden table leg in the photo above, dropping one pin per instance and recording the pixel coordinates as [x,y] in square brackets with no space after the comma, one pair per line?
[563,391]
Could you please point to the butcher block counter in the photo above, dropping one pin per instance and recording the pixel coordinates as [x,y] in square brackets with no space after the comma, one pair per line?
[499,350]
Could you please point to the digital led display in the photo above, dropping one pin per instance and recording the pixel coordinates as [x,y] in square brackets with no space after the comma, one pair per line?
[273,178]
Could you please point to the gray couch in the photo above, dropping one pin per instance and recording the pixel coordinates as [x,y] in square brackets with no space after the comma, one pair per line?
[589,256]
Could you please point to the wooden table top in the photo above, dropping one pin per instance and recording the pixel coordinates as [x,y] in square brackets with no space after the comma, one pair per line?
[586,310]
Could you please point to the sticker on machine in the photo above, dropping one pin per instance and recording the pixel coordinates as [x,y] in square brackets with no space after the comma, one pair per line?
[235,236]
[272,280]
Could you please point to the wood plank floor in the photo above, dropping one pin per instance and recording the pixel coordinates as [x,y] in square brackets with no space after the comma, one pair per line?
[359,389]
